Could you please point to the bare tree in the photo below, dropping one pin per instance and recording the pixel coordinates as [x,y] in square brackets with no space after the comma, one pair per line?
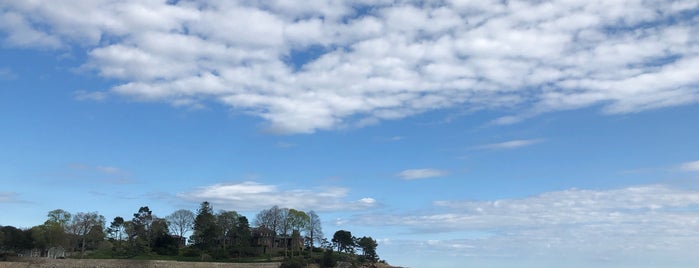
[181,222]
[85,223]
[314,229]
[273,219]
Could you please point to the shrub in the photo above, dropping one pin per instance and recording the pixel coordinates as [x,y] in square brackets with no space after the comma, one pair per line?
[295,262]
[190,252]
[329,259]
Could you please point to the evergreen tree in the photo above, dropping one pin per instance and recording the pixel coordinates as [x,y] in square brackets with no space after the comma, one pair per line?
[205,228]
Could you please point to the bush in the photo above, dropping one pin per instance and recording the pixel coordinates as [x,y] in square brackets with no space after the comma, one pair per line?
[329,259]
[219,254]
[295,262]
[190,252]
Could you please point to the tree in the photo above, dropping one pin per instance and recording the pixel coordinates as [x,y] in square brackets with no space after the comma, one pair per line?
[297,220]
[116,228]
[142,221]
[138,230]
[15,239]
[83,224]
[53,232]
[344,241]
[160,241]
[272,219]
[227,222]
[368,246]
[205,229]
[181,222]
[314,230]
[58,216]
[242,235]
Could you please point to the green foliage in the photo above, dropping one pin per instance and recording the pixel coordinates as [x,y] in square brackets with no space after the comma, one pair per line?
[344,241]
[205,228]
[15,240]
[225,236]
[116,228]
[368,246]
[166,245]
[59,216]
[328,259]
[295,262]
[190,252]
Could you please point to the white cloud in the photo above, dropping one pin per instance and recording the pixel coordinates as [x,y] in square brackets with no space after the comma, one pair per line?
[609,223]
[7,74]
[690,166]
[83,95]
[97,173]
[253,196]
[9,197]
[513,144]
[393,61]
[423,173]
[285,145]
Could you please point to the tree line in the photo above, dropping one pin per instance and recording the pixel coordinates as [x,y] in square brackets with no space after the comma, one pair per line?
[204,234]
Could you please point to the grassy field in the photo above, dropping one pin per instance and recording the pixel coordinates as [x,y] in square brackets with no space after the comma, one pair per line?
[117,263]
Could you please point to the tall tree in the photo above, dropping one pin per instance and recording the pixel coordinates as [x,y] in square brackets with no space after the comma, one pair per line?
[344,241]
[368,246]
[227,221]
[83,224]
[272,219]
[242,232]
[314,230]
[139,231]
[205,229]
[142,221]
[297,220]
[116,228]
[59,216]
[53,232]
[181,222]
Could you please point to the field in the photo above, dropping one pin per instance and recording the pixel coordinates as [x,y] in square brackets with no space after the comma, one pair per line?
[114,263]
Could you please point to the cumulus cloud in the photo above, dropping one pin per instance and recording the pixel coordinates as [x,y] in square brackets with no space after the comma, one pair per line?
[334,64]
[423,173]
[253,196]
[652,218]
[690,166]
[513,144]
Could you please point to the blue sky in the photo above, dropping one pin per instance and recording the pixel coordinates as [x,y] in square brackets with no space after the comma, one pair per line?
[483,133]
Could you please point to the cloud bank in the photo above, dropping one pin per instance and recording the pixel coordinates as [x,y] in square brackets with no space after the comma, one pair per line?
[634,221]
[690,166]
[253,196]
[332,64]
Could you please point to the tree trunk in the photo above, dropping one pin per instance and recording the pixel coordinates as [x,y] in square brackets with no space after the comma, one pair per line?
[82,250]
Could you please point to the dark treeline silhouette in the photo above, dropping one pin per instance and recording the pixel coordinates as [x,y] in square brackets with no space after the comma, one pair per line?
[205,235]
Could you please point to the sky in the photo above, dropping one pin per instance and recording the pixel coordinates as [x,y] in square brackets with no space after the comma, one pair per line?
[456,133]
